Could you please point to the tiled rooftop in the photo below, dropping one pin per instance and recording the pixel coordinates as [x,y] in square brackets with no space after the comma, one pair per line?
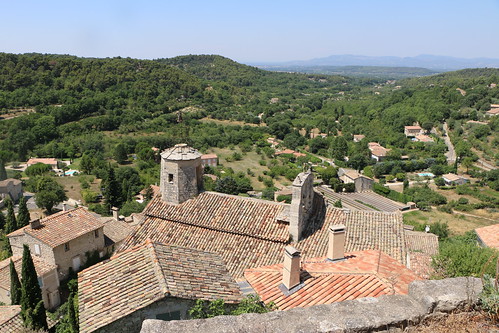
[10,319]
[9,181]
[145,274]
[180,152]
[245,233]
[421,246]
[116,231]
[369,273]
[41,267]
[62,227]
[489,235]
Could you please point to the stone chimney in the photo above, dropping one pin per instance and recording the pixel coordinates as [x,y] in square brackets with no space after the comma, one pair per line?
[116,212]
[336,244]
[291,267]
[301,204]
[181,174]
[35,224]
[64,207]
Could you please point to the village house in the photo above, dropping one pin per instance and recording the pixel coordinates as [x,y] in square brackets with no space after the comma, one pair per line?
[412,131]
[62,239]
[11,321]
[488,236]
[423,138]
[150,281]
[209,160]
[337,276]
[12,188]
[492,112]
[453,179]
[48,280]
[49,161]
[248,232]
[358,137]
[362,183]
[273,142]
[378,152]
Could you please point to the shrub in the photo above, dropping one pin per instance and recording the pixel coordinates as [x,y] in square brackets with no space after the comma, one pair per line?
[489,298]
[285,198]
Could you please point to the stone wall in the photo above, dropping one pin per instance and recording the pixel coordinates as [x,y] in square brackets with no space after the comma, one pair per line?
[180,180]
[386,313]
[301,204]
[132,323]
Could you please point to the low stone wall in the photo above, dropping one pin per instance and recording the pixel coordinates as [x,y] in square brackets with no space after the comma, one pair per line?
[386,313]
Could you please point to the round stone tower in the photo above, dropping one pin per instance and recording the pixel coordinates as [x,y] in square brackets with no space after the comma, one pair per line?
[181,173]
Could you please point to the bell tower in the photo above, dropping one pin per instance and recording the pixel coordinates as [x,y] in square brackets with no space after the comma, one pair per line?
[181,173]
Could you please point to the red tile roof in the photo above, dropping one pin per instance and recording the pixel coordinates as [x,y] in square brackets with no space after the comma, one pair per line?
[364,274]
[285,151]
[246,233]
[489,235]
[146,274]
[208,156]
[62,227]
[10,319]
[421,248]
[415,127]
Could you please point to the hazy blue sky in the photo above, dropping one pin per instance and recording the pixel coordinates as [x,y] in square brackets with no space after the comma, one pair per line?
[251,31]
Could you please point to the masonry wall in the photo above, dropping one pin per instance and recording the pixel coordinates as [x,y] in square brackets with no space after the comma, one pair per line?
[46,253]
[301,204]
[77,248]
[363,184]
[133,322]
[387,313]
[180,180]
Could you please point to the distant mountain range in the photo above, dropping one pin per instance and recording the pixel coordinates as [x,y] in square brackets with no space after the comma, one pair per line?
[436,63]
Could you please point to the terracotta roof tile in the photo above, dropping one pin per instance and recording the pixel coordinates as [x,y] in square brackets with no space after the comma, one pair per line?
[10,319]
[489,235]
[62,227]
[117,231]
[367,273]
[148,273]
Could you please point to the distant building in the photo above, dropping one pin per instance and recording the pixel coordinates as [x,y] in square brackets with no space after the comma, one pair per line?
[49,161]
[412,131]
[285,151]
[273,142]
[423,138]
[362,183]
[150,281]
[489,236]
[12,188]
[494,111]
[358,137]
[209,160]
[453,179]
[378,152]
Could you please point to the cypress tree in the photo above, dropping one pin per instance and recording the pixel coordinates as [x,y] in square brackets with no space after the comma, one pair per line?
[32,309]
[23,216]
[15,285]
[2,221]
[113,190]
[10,221]
[3,172]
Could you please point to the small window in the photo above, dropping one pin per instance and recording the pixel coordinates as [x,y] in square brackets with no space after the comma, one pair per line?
[38,251]
[170,177]
[175,315]
[96,233]
[40,282]
[66,247]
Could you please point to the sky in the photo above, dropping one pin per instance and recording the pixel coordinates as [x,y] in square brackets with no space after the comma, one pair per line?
[251,31]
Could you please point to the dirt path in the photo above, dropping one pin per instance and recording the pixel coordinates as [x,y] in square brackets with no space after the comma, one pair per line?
[451,154]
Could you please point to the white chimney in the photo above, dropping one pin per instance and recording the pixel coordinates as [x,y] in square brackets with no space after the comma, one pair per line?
[116,212]
[291,269]
[64,207]
[336,245]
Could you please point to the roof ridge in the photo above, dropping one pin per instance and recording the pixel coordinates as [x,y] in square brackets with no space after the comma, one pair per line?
[158,271]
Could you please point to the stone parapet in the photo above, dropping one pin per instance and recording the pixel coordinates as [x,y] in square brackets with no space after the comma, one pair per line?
[386,313]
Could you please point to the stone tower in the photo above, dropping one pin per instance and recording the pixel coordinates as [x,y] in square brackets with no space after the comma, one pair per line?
[301,204]
[181,173]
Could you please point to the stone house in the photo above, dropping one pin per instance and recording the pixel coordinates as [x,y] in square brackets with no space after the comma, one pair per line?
[362,183]
[62,239]
[378,152]
[453,179]
[412,131]
[209,160]
[47,278]
[150,281]
[12,188]
[249,232]
[358,137]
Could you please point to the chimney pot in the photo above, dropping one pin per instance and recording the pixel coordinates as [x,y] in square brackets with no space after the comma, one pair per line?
[336,245]
[35,224]
[291,267]
[116,212]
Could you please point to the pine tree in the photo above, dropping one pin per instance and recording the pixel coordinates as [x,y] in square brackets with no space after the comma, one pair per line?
[32,309]
[10,221]
[23,216]
[15,285]
[3,172]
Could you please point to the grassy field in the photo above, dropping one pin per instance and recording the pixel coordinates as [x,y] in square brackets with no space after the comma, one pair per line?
[458,224]
[72,186]
[250,161]
[228,122]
